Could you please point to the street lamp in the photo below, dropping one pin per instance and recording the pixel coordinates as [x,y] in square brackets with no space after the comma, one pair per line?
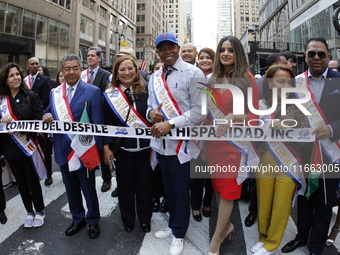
[120,35]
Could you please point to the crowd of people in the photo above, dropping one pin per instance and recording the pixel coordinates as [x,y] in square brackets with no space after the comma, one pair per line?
[150,169]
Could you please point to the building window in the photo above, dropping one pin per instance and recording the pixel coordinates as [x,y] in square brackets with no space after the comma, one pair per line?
[246,5]
[28,27]
[241,4]
[102,12]
[86,28]
[140,18]
[41,33]
[113,19]
[13,20]
[140,7]
[247,12]
[242,18]
[88,4]
[242,11]
[247,19]
[53,31]
[102,35]
[64,34]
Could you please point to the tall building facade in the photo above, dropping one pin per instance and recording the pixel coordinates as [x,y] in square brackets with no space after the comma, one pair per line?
[225,19]
[176,16]
[150,22]
[310,18]
[246,13]
[51,29]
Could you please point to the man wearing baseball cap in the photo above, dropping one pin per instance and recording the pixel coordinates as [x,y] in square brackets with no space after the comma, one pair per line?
[174,101]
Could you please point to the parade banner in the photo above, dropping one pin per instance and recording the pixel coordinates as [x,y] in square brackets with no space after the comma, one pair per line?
[235,133]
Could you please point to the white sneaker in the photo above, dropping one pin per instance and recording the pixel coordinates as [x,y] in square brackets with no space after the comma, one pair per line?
[263,251]
[38,220]
[176,247]
[256,247]
[165,233]
[29,220]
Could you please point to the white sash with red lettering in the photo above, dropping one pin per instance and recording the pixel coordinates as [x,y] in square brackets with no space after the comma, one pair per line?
[250,156]
[85,76]
[27,79]
[29,147]
[317,118]
[186,150]
[118,102]
[285,157]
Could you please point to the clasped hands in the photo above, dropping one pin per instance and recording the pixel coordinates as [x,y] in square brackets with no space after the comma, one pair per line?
[160,127]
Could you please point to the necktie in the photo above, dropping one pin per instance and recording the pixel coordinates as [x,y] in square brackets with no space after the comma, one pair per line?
[32,80]
[69,94]
[128,95]
[91,77]
[168,71]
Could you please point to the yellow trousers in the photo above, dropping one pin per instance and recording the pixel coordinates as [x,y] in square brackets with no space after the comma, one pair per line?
[275,191]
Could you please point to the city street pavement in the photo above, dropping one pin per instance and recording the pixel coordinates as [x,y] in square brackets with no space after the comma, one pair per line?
[50,238]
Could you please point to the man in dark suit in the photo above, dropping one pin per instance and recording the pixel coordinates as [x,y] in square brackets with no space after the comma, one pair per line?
[42,85]
[100,78]
[314,213]
[76,178]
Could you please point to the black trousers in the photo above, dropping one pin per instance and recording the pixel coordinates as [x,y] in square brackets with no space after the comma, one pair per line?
[197,193]
[158,188]
[2,195]
[135,189]
[48,155]
[28,184]
[106,172]
[314,216]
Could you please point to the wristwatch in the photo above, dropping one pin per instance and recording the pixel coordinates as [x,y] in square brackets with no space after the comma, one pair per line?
[172,123]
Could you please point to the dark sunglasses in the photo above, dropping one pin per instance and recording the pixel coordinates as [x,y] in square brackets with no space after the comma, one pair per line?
[312,54]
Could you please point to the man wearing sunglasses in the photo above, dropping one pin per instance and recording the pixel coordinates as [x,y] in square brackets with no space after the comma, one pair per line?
[315,212]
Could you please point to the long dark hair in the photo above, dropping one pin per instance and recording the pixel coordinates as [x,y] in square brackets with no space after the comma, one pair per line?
[138,84]
[45,70]
[239,75]
[4,89]
[266,91]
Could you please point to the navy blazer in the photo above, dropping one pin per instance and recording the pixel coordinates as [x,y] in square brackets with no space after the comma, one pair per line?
[42,86]
[112,119]
[101,79]
[330,105]
[84,93]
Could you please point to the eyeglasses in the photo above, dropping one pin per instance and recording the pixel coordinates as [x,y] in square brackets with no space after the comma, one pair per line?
[312,54]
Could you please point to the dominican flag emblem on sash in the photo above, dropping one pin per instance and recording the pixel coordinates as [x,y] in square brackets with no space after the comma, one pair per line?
[84,147]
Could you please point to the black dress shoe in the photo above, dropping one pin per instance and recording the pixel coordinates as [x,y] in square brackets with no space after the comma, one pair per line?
[94,231]
[250,219]
[292,246]
[75,227]
[114,193]
[129,228]
[3,218]
[48,181]
[146,228]
[197,217]
[206,213]
[106,186]
[163,208]
[156,205]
